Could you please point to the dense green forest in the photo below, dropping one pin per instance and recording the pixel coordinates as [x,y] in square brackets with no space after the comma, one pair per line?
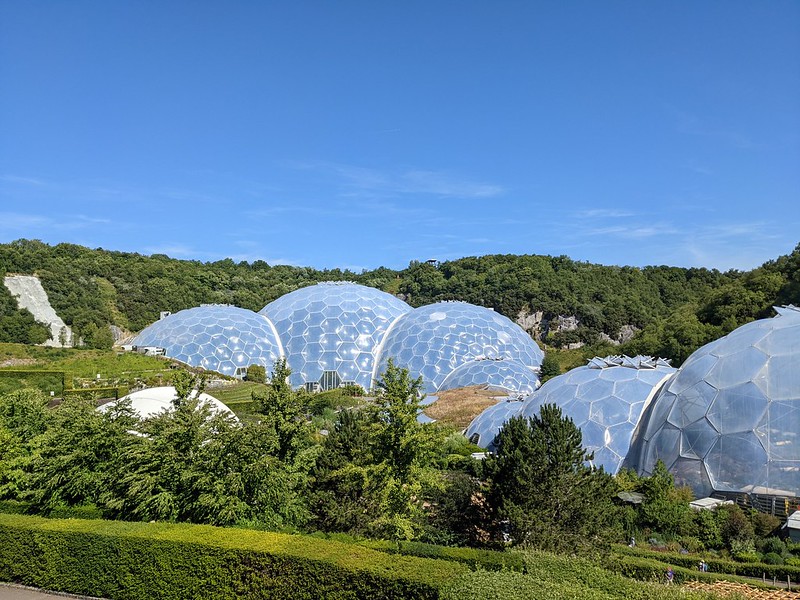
[673,310]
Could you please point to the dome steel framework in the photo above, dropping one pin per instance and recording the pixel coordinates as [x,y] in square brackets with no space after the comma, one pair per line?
[216,337]
[729,420]
[605,399]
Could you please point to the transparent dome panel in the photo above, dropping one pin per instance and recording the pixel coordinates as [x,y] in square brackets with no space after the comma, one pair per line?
[736,402]
[605,399]
[505,375]
[216,337]
[333,326]
[432,341]
[485,427]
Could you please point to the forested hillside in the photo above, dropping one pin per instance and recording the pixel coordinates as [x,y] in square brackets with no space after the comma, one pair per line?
[673,309]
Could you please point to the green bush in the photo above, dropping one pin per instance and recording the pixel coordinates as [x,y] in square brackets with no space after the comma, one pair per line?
[691,544]
[14,507]
[747,557]
[773,544]
[256,373]
[773,558]
[488,560]
[484,585]
[122,560]
[651,570]
[83,511]
[17,379]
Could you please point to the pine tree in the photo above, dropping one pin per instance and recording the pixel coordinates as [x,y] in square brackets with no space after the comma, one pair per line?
[542,494]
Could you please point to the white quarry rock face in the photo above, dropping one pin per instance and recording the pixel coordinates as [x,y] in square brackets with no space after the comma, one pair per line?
[30,294]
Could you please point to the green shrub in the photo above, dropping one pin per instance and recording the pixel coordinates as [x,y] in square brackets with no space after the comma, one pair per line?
[83,511]
[691,544]
[13,507]
[773,558]
[650,570]
[256,373]
[489,560]
[747,557]
[122,560]
[773,544]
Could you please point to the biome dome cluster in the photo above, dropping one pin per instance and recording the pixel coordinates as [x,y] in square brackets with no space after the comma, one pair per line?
[337,333]
[727,421]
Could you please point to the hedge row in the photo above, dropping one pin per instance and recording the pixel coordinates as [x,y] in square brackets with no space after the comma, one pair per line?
[488,560]
[648,569]
[554,577]
[122,560]
[716,565]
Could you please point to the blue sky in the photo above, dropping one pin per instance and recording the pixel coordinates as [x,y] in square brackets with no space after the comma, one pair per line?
[359,134]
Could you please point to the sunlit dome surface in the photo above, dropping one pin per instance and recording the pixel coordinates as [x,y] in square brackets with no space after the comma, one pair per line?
[434,340]
[148,403]
[507,375]
[729,420]
[485,427]
[605,399]
[220,338]
[331,331]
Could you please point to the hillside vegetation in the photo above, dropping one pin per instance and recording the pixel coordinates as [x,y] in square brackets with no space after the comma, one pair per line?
[674,309]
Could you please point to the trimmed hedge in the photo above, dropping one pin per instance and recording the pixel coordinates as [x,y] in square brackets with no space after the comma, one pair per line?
[715,565]
[648,569]
[553,577]
[488,560]
[124,560]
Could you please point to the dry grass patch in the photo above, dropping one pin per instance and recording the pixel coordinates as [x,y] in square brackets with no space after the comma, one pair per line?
[459,406]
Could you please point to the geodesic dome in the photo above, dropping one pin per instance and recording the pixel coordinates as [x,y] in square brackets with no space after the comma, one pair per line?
[485,427]
[729,421]
[433,340]
[217,337]
[331,331]
[605,399]
[151,401]
[498,374]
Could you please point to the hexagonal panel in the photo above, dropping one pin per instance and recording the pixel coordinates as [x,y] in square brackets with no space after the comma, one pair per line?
[605,399]
[506,375]
[335,315]
[434,340]
[220,338]
[737,404]
[485,427]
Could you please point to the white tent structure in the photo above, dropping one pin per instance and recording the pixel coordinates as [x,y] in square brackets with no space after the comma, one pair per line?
[151,401]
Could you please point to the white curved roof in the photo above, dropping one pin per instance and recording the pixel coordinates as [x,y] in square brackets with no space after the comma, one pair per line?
[151,401]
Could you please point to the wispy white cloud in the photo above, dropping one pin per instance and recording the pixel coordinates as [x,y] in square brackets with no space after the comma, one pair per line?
[634,231]
[176,250]
[22,180]
[699,169]
[604,213]
[27,224]
[412,181]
